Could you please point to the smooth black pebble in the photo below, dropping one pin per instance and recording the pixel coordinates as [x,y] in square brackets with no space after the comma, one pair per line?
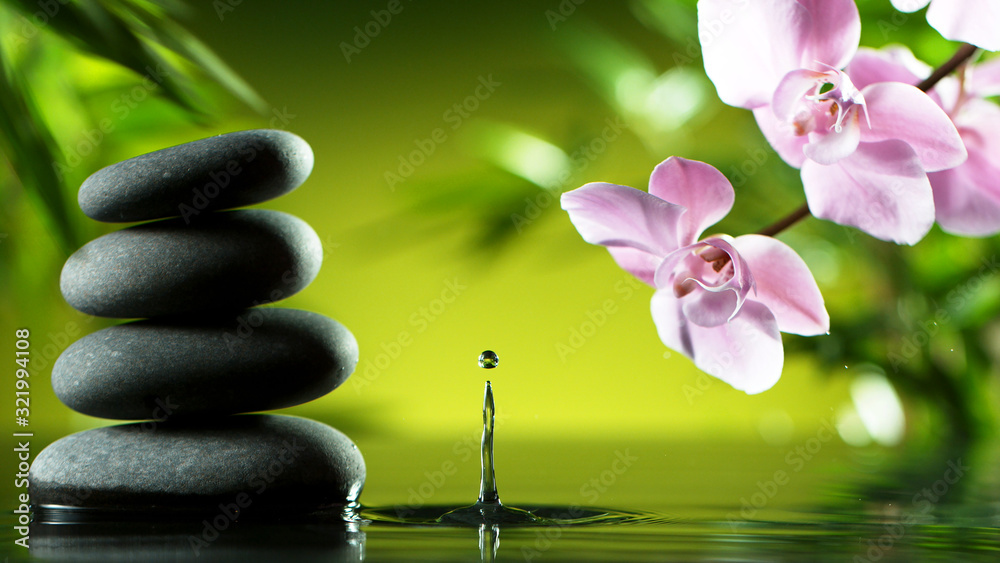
[225,262]
[257,463]
[221,172]
[262,359]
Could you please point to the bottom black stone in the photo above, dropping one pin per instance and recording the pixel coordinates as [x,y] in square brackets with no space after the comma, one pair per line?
[252,465]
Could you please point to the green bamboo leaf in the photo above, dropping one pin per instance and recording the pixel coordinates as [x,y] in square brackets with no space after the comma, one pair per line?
[91,26]
[167,32]
[31,150]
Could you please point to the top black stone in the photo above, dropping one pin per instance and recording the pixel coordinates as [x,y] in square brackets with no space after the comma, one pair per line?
[221,172]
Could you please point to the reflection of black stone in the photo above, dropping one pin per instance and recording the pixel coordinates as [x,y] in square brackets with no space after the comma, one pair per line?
[247,464]
[325,539]
[222,172]
[260,359]
[224,262]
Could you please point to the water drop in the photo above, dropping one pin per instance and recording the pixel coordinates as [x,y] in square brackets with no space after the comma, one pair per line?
[489,360]
[488,514]
[488,509]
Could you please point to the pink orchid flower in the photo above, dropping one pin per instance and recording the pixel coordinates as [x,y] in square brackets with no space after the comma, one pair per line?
[720,301]
[863,152]
[971,21]
[967,197]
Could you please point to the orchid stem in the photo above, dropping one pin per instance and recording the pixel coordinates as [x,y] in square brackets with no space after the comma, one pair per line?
[787,221]
[964,53]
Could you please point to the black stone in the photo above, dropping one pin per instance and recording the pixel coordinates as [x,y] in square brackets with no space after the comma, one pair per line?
[224,262]
[250,463]
[221,172]
[262,359]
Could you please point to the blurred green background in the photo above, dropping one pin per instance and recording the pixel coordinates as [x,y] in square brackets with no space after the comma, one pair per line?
[466,249]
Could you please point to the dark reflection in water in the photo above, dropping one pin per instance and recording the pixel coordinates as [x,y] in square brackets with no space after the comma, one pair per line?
[320,538]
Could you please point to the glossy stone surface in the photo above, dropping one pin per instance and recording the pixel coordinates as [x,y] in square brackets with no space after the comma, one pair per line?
[230,464]
[231,170]
[224,262]
[261,359]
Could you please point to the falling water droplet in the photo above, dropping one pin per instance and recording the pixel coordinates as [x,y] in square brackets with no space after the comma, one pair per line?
[488,509]
[488,514]
[489,360]
[488,482]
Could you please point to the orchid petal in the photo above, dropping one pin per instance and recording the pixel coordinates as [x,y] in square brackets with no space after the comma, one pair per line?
[742,282]
[794,86]
[880,189]
[639,263]
[784,285]
[909,5]
[983,79]
[831,146]
[708,305]
[746,352]
[833,35]
[666,268]
[702,190]
[900,111]
[962,199]
[979,125]
[612,215]
[892,64]
[749,46]
[971,21]
[781,136]
[710,308]
[967,197]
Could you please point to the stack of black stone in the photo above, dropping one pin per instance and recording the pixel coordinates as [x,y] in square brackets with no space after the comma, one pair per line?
[205,350]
